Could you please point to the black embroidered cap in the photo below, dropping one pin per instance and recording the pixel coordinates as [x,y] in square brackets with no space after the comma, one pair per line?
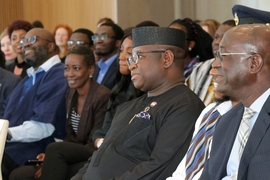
[246,15]
[158,35]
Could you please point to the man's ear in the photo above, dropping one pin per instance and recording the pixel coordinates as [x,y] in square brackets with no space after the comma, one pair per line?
[118,43]
[168,58]
[52,47]
[191,45]
[256,63]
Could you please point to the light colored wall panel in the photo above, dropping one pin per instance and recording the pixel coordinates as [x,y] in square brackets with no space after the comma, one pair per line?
[75,13]
[11,10]
[222,10]
[132,12]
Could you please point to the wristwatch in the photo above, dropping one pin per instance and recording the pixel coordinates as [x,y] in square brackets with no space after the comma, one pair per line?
[99,142]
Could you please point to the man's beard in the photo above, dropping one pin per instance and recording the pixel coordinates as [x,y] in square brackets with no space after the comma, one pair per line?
[104,53]
[40,56]
[222,99]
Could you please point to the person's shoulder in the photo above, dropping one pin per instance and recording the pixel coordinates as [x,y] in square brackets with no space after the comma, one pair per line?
[100,87]
[7,74]
[183,94]
[204,66]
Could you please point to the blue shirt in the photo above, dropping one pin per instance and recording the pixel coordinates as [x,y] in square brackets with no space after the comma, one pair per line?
[104,66]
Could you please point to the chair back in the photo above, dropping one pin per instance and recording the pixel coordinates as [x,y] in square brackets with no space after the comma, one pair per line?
[3,136]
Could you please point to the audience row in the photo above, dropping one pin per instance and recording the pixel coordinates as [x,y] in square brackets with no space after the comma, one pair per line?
[130,104]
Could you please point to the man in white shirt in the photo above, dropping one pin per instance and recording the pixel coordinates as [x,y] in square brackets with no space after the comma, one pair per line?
[243,63]
[222,105]
[36,107]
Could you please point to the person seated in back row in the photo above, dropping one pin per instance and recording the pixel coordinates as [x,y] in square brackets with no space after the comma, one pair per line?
[107,40]
[8,81]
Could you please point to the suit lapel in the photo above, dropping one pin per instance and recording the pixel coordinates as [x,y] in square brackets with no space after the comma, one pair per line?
[223,139]
[95,74]
[86,111]
[233,127]
[258,132]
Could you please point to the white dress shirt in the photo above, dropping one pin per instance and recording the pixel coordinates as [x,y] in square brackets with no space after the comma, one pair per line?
[233,162]
[180,172]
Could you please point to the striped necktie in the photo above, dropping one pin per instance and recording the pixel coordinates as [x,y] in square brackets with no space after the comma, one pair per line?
[243,131]
[243,134]
[199,147]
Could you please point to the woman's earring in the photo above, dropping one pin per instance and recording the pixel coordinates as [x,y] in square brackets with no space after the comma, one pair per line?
[189,48]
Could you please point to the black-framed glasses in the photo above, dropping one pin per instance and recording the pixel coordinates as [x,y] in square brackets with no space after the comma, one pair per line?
[135,57]
[72,42]
[31,40]
[101,37]
[220,54]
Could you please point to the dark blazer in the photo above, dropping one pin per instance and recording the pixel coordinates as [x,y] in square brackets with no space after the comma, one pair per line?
[109,78]
[255,161]
[8,81]
[92,116]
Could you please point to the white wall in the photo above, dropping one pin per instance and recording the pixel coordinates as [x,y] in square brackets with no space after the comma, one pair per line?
[221,10]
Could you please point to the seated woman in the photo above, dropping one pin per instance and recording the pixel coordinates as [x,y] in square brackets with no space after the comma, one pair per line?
[62,34]
[16,32]
[7,48]
[198,43]
[86,106]
[123,91]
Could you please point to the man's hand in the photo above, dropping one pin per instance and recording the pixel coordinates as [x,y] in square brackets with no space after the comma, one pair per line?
[9,136]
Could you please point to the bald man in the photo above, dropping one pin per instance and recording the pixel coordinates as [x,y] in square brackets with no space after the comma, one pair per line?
[242,71]
[36,107]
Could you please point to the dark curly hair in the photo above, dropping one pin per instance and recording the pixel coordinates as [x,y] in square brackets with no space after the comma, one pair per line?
[87,32]
[86,52]
[19,24]
[203,46]
[118,32]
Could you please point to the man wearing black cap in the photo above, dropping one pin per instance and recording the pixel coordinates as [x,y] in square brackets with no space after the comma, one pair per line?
[149,135]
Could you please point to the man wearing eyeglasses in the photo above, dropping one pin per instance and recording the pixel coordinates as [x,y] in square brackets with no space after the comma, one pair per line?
[107,40]
[150,134]
[36,107]
[240,148]
[81,37]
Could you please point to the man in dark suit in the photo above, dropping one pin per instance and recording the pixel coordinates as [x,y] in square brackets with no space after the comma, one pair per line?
[242,64]
[107,40]
[8,81]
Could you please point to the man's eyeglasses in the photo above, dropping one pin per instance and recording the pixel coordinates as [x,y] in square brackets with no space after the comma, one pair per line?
[101,37]
[31,40]
[135,57]
[71,43]
[220,54]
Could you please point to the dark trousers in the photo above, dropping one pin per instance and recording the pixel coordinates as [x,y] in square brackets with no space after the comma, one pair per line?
[63,160]
[8,165]
[24,173]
